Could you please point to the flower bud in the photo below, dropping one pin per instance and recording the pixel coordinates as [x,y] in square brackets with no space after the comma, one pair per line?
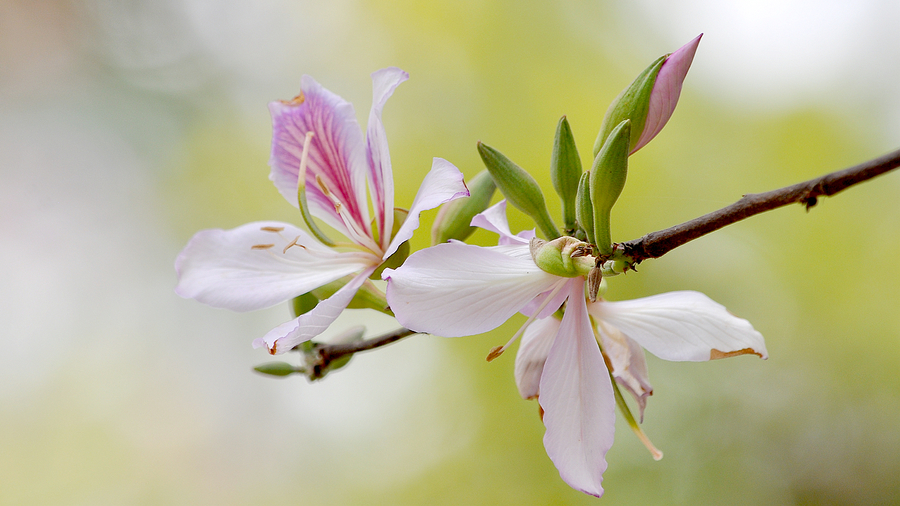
[565,256]
[565,171]
[584,210]
[650,100]
[454,218]
[607,181]
[519,188]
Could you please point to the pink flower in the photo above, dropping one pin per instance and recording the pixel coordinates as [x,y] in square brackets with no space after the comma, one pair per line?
[264,263]
[455,289]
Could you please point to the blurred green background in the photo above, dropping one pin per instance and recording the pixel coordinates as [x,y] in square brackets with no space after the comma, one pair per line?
[125,127]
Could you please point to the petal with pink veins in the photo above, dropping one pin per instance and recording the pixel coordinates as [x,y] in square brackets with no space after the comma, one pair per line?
[336,153]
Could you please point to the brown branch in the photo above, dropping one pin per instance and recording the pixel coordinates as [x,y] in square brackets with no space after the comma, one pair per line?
[325,354]
[657,244]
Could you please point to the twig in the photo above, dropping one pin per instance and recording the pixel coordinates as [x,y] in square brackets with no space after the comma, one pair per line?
[657,244]
[327,353]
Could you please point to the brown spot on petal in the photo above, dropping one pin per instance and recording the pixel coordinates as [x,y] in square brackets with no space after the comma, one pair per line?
[274,349]
[262,246]
[716,354]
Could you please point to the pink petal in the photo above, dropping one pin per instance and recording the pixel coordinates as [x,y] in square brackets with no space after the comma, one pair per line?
[533,350]
[307,326]
[682,326]
[336,154]
[381,179]
[443,183]
[666,91]
[494,219]
[221,268]
[578,400]
[455,289]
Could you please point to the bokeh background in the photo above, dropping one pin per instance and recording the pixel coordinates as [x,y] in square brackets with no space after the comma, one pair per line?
[126,126]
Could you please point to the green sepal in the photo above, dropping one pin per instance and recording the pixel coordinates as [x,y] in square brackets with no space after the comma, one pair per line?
[276,369]
[565,256]
[607,181]
[565,171]
[519,188]
[633,103]
[584,210]
[454,218]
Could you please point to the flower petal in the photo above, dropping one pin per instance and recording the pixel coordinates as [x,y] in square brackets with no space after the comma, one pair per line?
[455,289]
[533,350]
[578,400]
[494,219]
[682,326]
[666,91]
[308,325]
[628,363]
[381,178]
[223,269]
[336,154]
[443,183]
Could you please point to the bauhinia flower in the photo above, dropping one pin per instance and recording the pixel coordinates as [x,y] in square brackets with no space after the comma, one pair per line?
[455,289]
[321,164]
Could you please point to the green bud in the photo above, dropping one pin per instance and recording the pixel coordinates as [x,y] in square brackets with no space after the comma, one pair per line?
[367,297]
[454,218]
[519,188]
[565,171]
[565,256]
[276,369]
[607,181]
[584,210]
[633,104]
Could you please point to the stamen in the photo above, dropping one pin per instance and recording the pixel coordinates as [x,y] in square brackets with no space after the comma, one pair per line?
[321,184]
[271,229]
[262,246]
[304,159]
[498,350]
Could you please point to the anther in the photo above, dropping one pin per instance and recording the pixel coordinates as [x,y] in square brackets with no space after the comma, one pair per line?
[262,246]
[271,229]
[293,243]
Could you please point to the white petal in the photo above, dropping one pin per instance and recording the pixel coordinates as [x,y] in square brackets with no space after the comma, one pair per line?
[682,326]
[221,268]
[628,363]
[307,326]
[381,177]
[443,183]
[494,219]
[578,400]
[533,350]
[455,289]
